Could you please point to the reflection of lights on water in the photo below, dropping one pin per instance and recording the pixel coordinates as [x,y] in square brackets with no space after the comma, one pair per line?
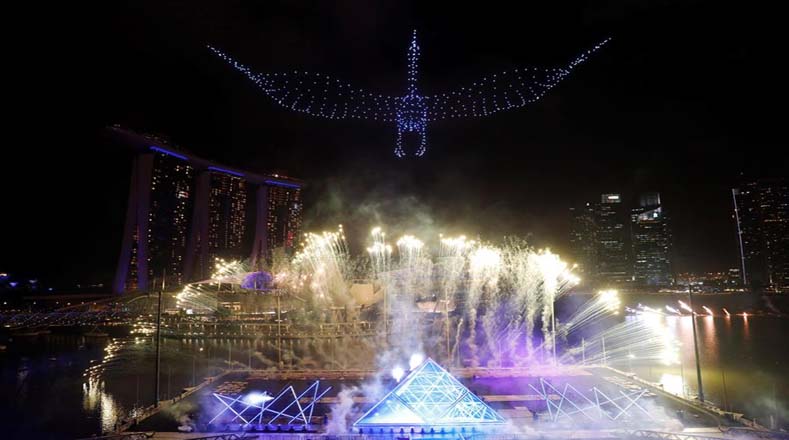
[662,334]
[672,383]
[95,398]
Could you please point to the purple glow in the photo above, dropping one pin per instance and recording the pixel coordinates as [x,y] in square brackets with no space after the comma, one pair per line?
[167,152]
[257,280]
[286,185]
[226,171]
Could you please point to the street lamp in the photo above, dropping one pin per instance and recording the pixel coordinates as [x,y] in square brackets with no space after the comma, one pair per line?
[194,357]
[695,341]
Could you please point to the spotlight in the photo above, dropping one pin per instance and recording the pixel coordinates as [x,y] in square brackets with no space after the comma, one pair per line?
[416,360]
[397,373]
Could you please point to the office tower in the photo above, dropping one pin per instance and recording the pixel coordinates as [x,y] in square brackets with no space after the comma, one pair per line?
[761,214]
[227,213]
[651,241]
[612,246]
[284,216]
[583,239]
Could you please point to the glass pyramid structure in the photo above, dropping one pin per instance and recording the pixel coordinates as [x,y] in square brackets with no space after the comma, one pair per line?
[428,397]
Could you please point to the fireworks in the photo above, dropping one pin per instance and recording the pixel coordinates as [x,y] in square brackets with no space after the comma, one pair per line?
[410,250]
[609,299]
[323,265]
[380,252]
[470,302]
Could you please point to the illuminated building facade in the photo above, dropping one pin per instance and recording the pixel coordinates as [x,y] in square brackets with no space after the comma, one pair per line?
[284,216]
[184,211]
[227,214]
[761,214]
[583,239]
[612,244]
[170,203]
[651,239]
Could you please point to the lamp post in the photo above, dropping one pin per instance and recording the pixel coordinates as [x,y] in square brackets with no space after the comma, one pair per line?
[194,357]
[553,328]
[158,338]
[695,341]
[605,361]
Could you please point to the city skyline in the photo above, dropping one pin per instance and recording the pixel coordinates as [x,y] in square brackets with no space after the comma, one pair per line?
[647,115]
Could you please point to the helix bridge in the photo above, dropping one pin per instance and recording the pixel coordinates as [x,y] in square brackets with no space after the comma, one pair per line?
[108,311]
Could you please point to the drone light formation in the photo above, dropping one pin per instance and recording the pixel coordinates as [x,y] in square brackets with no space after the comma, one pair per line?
[323,96]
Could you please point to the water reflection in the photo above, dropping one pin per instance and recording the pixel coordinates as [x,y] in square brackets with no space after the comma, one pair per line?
[120,374]
[746,331]
[96,399]
[709,339]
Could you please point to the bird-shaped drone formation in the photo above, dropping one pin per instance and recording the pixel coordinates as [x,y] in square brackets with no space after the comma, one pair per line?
[321,95]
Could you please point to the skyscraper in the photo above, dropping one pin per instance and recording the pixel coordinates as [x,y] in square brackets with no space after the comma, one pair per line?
[284,215]
[184,211]
[227,213]
[651,239]
[761,214]
[583,239]
[612,244]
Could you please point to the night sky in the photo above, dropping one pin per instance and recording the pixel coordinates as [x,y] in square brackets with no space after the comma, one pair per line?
[687,95]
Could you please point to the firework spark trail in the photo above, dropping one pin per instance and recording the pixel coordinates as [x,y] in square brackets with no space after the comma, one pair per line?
[380,252]
[452,264]
[556,280]
[522,275]
[605,303]
[499,292]
[324,262]
[201,297]
[415,268]
[484,270]
[645,336]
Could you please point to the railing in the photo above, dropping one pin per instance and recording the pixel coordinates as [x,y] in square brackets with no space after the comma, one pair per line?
[222,437]
[736,432]
[124,436]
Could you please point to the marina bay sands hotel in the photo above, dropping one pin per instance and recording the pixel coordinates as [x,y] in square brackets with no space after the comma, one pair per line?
[184,212]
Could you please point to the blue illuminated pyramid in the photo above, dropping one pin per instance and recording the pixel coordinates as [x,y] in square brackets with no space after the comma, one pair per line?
[429,396]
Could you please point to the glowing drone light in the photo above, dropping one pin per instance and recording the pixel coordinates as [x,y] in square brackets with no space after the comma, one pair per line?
[321,95]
